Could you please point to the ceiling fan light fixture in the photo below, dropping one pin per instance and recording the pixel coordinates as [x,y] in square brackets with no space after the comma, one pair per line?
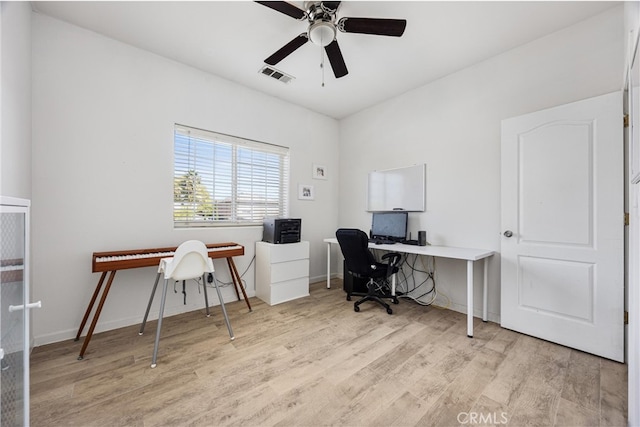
[323,29]
[322,33]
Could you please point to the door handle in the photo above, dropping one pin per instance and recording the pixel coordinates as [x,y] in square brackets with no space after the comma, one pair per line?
[13,308]
[508,233]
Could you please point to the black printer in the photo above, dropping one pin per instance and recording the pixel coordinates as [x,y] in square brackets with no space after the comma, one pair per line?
[281,230]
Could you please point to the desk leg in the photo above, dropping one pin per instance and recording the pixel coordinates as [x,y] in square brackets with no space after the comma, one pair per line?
[97,314]
[237,281]
[484,289]
[470,299]
[328,265]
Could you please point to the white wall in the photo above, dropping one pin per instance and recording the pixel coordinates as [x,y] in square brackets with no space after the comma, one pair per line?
[15,70]
[103,116]
[453,125]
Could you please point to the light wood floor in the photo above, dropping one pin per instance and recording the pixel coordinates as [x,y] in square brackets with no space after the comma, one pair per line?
[314,361]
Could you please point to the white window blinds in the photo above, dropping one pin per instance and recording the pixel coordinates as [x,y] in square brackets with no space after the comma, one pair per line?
[225,180]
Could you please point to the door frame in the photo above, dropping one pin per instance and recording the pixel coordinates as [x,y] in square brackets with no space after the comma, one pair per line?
[632,200]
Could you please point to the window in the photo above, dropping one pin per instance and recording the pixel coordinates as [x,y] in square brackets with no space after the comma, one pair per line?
[225,180]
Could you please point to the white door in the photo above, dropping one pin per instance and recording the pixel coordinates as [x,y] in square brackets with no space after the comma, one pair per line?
[562,274]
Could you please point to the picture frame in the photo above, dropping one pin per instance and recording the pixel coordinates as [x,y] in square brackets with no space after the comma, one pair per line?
[319,171]
[305,192]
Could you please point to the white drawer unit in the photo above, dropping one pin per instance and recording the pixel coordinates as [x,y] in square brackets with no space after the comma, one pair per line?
[282,271]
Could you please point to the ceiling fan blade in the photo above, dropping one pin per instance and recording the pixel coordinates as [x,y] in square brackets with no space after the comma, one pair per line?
[376,26]
[286,8]
[331,5]
[335,58]
[287,49]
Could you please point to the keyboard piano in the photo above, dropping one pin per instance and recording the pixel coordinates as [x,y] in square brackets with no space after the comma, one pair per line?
[110,262]
[121,260]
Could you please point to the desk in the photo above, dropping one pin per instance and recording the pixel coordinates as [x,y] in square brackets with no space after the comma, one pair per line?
[466,254]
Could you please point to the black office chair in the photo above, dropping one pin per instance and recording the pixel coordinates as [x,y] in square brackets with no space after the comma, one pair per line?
[361,263]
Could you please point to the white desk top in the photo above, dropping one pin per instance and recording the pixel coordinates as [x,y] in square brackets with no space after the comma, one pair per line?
[468,254]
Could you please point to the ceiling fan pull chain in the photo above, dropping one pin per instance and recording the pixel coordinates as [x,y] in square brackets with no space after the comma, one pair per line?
[322,63]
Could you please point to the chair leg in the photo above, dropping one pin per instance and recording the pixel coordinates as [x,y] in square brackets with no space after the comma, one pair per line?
[155,346]
[206,298]
[224,310]
[146,313]
[371,296]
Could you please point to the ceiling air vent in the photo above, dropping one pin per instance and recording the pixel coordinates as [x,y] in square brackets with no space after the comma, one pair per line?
[276,74]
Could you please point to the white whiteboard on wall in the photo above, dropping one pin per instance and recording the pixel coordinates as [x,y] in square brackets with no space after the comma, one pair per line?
[398,189]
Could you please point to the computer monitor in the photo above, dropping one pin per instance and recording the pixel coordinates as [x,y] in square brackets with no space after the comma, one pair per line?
[389,225]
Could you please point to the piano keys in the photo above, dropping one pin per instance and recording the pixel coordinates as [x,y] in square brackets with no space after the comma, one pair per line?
[110,262]
[121,260]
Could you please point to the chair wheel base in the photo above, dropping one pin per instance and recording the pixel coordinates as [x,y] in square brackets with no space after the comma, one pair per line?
[153,365]
[374,298]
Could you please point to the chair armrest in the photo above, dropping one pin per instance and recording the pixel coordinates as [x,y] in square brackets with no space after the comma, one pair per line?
[395,258]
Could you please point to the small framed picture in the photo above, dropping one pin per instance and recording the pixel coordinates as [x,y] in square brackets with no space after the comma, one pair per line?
[305,192]
[319,172]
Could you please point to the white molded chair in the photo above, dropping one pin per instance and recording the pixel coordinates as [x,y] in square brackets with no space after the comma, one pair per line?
[190,261]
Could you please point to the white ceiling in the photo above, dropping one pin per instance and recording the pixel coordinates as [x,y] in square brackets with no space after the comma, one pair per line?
[231,39]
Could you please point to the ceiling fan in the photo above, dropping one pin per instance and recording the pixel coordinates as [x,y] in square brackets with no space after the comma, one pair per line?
[321,16]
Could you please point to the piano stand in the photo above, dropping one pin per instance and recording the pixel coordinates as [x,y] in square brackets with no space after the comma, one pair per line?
[237,281]
[97,313]
[235,277]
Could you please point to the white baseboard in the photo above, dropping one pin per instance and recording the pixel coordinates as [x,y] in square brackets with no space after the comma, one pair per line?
[461,308]
[70,334]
